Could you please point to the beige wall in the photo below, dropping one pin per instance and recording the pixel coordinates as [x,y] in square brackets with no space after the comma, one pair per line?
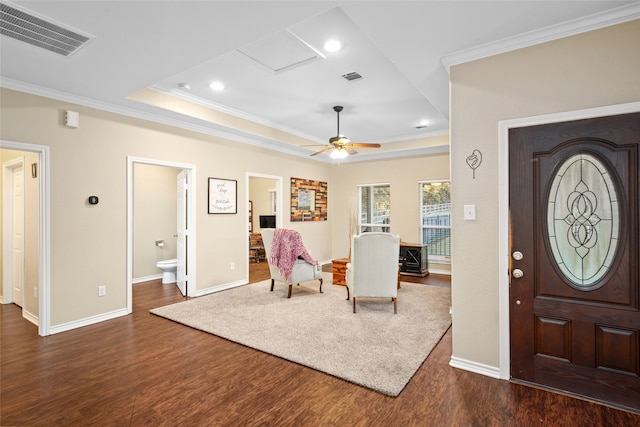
[403,175]
[594,69]
[31,209]
[154,217]
[88,244]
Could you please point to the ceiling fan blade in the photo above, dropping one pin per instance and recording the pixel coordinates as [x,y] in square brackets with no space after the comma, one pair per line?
[350,150]
[364,144]
[322,151]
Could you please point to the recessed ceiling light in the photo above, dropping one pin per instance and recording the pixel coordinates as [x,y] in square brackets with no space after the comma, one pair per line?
[217,86]
[422,124]
[332,46]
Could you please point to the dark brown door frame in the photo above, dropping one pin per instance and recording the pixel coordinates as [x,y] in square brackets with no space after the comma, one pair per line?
[503,208]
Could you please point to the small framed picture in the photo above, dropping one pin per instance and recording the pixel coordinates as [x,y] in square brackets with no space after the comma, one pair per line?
[223,196]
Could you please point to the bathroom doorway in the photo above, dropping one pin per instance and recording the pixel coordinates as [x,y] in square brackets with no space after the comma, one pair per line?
[264,208]
[160,222]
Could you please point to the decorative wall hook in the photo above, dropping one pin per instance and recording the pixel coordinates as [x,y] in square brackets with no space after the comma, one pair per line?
[474,161]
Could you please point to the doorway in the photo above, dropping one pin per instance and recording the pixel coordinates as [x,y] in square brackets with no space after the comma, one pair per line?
[34,164]
[182,207]
[264,201]
[569,315]
[14,227]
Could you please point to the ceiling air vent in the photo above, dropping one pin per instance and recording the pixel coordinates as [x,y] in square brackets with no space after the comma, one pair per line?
[40,32]
[352,76]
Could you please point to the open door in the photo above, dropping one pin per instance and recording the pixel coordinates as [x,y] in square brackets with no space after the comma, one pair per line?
[14,229]
[182,232]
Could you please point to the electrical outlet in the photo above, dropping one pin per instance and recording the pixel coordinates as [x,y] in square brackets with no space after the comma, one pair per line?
[35,292]
[232,266]
[102,290]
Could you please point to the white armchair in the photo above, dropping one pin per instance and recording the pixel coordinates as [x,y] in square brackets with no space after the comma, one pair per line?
[301,271]
[373,270]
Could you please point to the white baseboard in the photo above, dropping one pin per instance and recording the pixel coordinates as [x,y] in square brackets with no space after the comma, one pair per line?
[30,317]
[478,368]
[437,271]
[219,288]
[87,321]
[146,278]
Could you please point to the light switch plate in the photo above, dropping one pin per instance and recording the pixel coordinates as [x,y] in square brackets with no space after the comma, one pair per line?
[469,212]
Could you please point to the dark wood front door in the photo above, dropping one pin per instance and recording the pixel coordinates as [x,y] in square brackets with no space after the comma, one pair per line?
[574,295]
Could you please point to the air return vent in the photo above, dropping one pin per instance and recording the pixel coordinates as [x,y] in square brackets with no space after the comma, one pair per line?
[352,76]
[36,31]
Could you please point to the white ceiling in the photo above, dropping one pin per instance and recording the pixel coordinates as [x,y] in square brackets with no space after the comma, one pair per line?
[402,48]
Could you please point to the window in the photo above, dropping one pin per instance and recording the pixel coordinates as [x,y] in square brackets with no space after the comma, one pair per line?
[435,218]
[374,208]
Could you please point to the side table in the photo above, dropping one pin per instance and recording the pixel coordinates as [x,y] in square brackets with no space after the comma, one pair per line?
[339,271]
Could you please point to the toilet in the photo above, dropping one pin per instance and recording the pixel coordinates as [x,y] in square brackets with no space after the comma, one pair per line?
[168,268]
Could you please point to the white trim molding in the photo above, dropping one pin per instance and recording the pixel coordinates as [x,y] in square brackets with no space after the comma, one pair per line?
[219,288]
[191,212]
[478,368]
[582,25]
[44,237]
[88,321]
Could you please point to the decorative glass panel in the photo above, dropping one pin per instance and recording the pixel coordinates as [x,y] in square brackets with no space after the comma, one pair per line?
[583,220]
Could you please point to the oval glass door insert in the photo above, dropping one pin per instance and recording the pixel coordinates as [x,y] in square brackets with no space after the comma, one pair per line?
[583,220]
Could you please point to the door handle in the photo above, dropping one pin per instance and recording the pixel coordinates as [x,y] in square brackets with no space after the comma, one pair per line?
[517,273]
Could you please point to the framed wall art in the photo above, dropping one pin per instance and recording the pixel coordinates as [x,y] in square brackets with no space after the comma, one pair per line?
[308,200]
[223,196]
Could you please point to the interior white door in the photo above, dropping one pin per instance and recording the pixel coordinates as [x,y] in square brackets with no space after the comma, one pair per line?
[17,272]
[182,233]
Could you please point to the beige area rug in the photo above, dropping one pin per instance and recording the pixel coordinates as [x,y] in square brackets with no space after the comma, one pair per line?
[373,348]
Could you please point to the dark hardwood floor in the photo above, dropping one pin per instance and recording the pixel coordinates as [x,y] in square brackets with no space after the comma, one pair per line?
[145,370]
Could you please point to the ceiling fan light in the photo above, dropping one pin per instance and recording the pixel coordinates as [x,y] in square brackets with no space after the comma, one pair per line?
[338,153]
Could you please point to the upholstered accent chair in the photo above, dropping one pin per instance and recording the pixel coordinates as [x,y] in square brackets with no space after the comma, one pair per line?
[373,270]
[302,270]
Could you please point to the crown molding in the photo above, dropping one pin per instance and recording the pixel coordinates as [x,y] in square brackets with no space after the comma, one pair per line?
[388,155]
[249,139]
[245,138]
[546,34]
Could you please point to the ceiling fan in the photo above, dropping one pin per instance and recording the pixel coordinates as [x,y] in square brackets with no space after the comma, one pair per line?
[341,146]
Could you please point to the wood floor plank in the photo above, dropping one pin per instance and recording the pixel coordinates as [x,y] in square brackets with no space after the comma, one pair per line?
[146,370]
